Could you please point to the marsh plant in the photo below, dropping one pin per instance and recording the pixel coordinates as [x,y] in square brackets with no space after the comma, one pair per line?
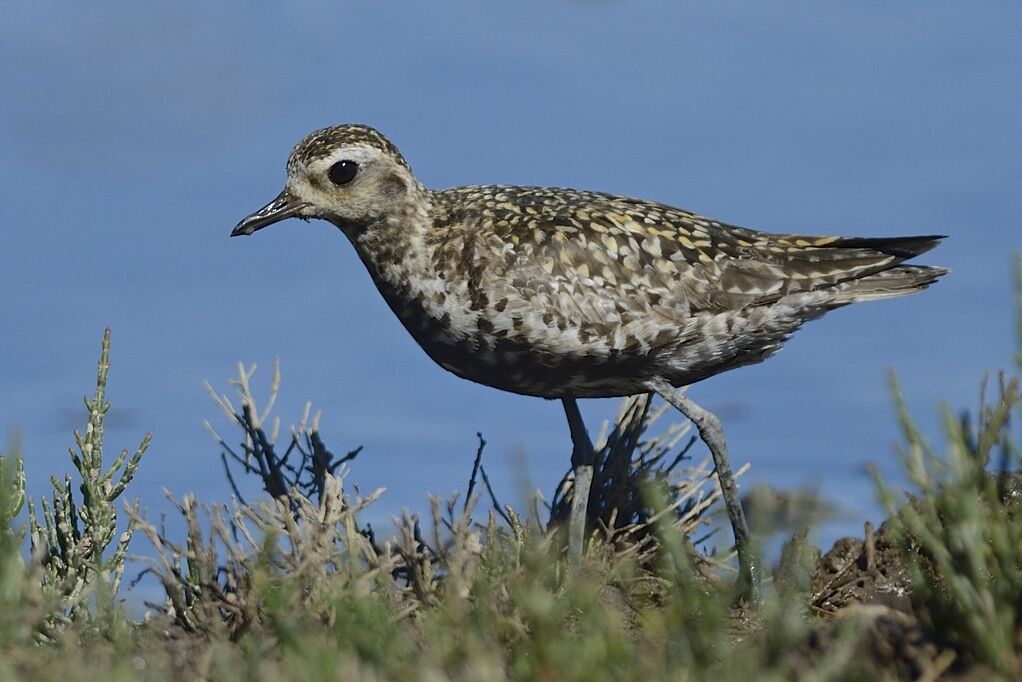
[296,585]
[962,527]
[77,549]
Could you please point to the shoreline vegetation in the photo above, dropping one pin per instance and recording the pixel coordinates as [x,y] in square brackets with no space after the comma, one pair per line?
[295,586]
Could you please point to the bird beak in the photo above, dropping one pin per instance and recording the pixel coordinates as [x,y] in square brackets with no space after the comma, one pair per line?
[281,208]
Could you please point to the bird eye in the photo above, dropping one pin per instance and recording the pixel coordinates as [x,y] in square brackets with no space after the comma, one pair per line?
[342,172]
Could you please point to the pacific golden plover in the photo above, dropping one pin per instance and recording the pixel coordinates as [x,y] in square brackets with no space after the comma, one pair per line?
[561,293]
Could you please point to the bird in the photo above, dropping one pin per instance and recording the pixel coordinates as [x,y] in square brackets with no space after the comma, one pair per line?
[569,294]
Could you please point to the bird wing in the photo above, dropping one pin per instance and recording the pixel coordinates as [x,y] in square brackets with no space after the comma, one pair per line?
[598,258]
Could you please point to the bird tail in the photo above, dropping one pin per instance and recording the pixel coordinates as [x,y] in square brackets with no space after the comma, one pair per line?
[896,281]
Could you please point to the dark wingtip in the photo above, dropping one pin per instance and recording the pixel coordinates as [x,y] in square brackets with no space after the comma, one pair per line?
[901,247]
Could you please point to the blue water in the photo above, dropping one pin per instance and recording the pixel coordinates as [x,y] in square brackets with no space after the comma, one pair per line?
[133,138]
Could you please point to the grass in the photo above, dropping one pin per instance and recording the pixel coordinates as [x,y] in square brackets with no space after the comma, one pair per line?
[296,586]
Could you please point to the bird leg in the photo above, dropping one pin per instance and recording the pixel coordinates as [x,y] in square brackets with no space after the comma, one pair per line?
[583,458]
[712,433]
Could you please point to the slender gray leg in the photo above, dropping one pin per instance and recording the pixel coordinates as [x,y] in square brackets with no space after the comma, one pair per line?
[582,460]
[712,433]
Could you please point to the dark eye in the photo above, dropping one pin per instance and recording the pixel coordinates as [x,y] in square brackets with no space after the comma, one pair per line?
[343,172]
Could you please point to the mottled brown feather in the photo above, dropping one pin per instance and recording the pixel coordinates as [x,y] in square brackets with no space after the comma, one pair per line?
[569,293]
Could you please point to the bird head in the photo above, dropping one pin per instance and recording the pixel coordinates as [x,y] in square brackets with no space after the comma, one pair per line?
[349,174]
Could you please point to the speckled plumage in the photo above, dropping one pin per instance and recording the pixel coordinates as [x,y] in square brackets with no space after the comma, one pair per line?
[567,293]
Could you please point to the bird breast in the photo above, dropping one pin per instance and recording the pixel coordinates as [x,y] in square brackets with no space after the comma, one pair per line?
[502,320]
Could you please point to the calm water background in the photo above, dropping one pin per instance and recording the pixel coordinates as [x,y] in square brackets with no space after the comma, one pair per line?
[133,138]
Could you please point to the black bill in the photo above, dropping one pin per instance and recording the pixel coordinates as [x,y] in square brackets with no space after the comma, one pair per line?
[281,208]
